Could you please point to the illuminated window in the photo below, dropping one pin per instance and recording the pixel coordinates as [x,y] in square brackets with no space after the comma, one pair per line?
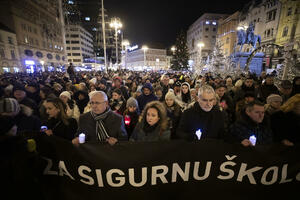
[214,23]
[207,22]
[87,19]
[70,2]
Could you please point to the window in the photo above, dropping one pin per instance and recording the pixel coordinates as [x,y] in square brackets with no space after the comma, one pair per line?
[207,22]
[75,54]
[75,48]
[12,53]
[214,23]
[10,40]
[68,48]
[271,15]
[2,54]
[23,26]
[74,42]
[214,29]
[285,31]
[26,39]
[206,29]
[87,19]
[71,2]
[289,12]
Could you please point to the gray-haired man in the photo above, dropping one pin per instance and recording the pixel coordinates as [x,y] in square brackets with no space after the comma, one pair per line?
[101,124]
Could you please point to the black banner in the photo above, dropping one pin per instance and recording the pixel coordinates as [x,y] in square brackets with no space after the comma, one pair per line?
[168,170]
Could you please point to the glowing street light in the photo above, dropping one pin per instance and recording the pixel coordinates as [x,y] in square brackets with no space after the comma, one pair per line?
[116,24]
[173,49]
[145,48]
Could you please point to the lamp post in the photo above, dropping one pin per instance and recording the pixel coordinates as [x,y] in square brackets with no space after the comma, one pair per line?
[116,24]
[125,43]
[200,45]
[145,48]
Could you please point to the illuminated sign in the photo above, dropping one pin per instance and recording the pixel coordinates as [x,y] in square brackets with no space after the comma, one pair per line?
[133,48]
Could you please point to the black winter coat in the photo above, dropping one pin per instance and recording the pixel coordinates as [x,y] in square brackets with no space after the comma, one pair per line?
[61,130]
[244,127]
[210,123]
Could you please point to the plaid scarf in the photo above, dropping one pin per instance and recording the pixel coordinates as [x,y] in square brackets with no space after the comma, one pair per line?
[100,130]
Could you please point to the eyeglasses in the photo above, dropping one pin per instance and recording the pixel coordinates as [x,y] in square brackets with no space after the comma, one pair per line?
[96,102]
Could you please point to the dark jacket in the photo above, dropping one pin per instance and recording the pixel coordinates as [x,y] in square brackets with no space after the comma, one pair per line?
[132,121]
[60,129]
[244,127]
[266,90]
[144,99]
[153,134]
[286,126]
[113,124]
[210,123]
[174,113]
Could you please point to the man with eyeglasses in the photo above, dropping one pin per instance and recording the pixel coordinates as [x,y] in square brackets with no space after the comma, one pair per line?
[204,119]
[101,123]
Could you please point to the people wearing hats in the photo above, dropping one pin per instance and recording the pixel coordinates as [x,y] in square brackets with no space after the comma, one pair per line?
[19,93]
[22,115]
[82,100]
[72,108]
[173,112]
[274,102]
[267,88]
[105,87]
[285,89]
[147,96]
[184,98]
[131,115]
[240,105]
[247,86]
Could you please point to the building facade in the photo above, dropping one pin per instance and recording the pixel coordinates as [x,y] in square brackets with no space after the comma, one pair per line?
[289,25]
[79,45]
[39,31]
[9,54]
[203,30]
[227,33]
[150,59]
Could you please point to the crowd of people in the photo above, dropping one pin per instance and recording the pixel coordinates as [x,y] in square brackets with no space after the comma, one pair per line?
[151,106]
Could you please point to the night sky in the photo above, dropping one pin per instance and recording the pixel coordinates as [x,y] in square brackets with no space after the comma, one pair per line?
[157,22]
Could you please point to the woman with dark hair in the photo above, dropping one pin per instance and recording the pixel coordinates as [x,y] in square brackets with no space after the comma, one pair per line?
[153,124]
[184,99]
[58,123]
[117,102]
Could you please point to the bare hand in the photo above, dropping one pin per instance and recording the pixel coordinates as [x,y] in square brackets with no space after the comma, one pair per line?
[49,132]
[112,140]
[246,143]
[287,142]
[75,141]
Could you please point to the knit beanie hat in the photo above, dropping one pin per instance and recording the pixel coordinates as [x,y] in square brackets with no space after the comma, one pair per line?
[273,97]
[132,102]
[9,105]
[187,84]
[170,95]
[66,93]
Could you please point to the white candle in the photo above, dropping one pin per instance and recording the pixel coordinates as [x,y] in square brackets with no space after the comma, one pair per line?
[81,138]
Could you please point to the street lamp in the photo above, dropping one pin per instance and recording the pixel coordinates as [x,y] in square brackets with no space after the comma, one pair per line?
[145,48]
[116,24]
[173,49]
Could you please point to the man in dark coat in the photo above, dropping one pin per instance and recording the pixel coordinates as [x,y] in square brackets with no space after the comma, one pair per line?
[252,122]
[203,116]
[147,96]
[268,88]
[101,124]
[248,86]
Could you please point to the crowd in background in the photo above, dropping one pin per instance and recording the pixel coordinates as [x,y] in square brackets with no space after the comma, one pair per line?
[151,106]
